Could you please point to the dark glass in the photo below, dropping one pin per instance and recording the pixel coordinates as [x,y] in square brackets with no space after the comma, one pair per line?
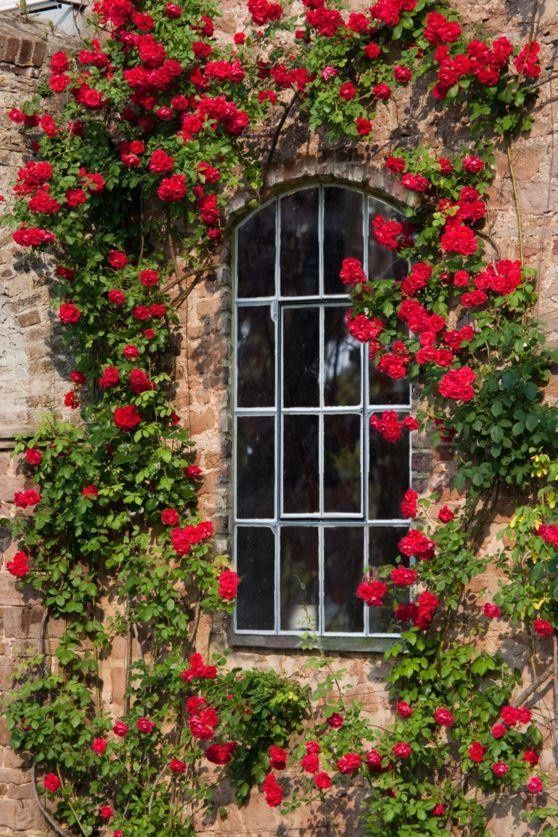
[342,234]
[255,564]
[299,578]
[342,361]
[301,365]
[382,546]
[255,445]
[389,475]
[256,357]
[256,254]
[386,390]
[343,571]
[342,478]
[300,464]
[384,263]
[300,257]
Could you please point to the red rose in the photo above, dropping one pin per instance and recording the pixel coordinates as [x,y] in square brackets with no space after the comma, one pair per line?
[402,74]
[381,91]
[139,382]
[374,761]
[444,717]
[105,812]
[145,726]
[177,766]
[192,472]
[322,780]
[396,165]
[500,769]
[33,456]
[173,11]
[351,272]
[409,503]
[457,384]
[116,296]
[542,627]
[117,259]
[415,182]
[51,782]
[228,585]
[347,91]
[531,757]
[403,576]
[416,544]
[126,418]
[130,352]
[109,378]
[23,499]
[498,730]
[535,785]
[68,313]
[19,565]
[310,763]
[277,757]
[439,810]
[90,491]
[221,753]
[172,188]
[149,277]
[170,517]
[472,164]
[364,127]
[476,752]
[445,514]
[349,763]
[404,710]
[549,534]
[402,750]
[492,611]
[335,721]
[120,729]
[458,238]
[372,591]
[272,791]
[99,746]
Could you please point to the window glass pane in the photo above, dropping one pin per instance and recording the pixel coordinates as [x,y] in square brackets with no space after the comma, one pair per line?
[255,466]
[255,563]
[301,364]
[342,477]
[389,475]
[255,357]
[300,464]
[384,263]
[299,243]
[342,361]
[299,578]
[256,254]
[343,570]
[386,390]
[383,550]
[343,234]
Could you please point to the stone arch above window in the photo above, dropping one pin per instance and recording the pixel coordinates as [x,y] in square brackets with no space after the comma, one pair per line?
[316,494]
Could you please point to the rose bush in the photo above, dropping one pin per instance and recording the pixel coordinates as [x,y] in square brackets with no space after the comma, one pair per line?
[157,126]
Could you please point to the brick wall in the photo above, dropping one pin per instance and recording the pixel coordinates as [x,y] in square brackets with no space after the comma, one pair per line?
[32,370]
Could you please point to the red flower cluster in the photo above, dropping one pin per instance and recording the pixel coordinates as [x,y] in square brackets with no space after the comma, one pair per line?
[184,539]
[19,565]
[457,384]
[372,591]
[126,418]
[198,670]
[419,613]
[24,499]
[363,328]
[394,235]
[228,585]
[390,426]
[416,544]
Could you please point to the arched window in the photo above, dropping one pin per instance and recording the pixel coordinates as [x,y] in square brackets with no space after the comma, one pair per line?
[316,493]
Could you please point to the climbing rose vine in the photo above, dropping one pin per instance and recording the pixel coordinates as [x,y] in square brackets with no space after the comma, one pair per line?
[137,142]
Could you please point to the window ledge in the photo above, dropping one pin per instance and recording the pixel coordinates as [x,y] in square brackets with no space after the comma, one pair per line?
[358,644]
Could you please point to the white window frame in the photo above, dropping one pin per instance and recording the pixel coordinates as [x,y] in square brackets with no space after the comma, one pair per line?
[277,637]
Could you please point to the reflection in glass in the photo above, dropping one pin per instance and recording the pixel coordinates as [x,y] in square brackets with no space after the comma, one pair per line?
[299,243]
[382,544]
[342,477]
[299,578]
[256,254]
[255,562]
[301,365]
[386,390]
[389,476]
[343,234]
[342,361]
[343,571]
[384,263]
[300,464]
[255,440]
[256,357]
